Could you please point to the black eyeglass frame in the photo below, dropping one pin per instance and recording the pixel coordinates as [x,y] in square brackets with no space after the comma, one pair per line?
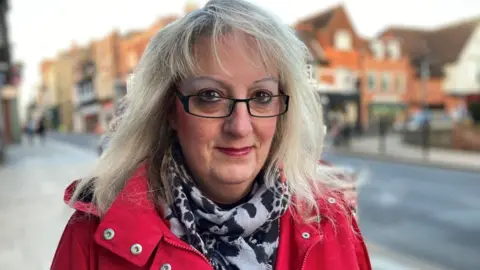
[185,100]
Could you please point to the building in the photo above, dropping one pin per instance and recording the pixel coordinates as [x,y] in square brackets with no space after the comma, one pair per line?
[332,37]
[445,64]
[10,127]
[131,49]
[64,79]
[106,53]
[385,78]
[49,93]
[87,108]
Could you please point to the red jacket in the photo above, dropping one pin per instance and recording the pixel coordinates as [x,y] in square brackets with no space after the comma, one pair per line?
[133,235]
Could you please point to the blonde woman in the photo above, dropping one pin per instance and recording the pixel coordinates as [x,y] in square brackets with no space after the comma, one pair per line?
[213,164]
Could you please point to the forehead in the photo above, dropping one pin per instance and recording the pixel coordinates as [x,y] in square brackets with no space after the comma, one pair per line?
[234,55]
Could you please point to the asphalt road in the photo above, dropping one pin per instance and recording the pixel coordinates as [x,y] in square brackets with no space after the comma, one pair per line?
[423,212]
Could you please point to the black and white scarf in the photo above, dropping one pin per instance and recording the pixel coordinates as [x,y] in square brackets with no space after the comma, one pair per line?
[245,237]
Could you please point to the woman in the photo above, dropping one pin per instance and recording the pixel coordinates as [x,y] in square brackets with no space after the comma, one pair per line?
[213,164]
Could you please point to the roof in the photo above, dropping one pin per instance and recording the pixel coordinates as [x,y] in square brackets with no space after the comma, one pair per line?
[321,19]
[441,46]
[308,38]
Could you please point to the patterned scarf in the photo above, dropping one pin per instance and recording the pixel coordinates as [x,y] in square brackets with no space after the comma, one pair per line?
[245,237]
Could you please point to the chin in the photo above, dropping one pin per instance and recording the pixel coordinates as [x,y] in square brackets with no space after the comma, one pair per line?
[235,174]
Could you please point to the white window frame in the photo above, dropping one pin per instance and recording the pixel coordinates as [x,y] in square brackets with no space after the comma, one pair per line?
[378,49]
[372,74]
[393,48]
[400,82]
[343,40]
[386,77]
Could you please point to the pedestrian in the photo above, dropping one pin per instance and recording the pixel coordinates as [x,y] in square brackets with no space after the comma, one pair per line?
[40,130]
[214,163]
[30,130]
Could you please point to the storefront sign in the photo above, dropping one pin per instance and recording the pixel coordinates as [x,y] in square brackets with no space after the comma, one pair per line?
[387,99]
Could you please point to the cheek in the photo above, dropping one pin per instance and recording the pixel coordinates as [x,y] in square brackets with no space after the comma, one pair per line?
[265,129]
[193,131]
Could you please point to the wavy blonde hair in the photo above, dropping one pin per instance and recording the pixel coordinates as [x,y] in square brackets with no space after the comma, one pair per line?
[145,134]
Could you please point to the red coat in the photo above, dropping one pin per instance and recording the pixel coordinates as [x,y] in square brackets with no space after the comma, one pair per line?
[132,235]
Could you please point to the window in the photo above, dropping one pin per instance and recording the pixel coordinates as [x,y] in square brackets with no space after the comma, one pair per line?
[385,81]
[345,79]
[400,82]
[394,49]
[343,40]
[378,49]
[371,80]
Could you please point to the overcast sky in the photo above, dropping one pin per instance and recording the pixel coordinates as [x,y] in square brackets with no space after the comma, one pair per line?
[38,29]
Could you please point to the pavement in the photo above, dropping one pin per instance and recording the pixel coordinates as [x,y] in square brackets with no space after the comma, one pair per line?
[419,211]
[396,151]
[405,213]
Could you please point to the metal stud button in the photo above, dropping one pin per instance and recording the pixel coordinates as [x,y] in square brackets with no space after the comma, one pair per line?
[331,200]
[108,234]
[305,235]
[136,249]
[166,267]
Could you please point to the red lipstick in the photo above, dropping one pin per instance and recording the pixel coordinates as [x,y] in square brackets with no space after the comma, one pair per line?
[235,152]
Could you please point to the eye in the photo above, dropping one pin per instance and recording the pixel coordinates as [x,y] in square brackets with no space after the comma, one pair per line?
[262,96]
[209,95]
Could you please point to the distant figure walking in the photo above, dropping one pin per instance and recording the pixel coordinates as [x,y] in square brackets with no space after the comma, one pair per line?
[41,129]
[30,130]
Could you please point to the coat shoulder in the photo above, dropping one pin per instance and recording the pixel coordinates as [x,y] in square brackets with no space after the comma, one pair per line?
[76,245]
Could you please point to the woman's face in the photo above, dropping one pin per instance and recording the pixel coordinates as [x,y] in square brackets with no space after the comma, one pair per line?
[226,154]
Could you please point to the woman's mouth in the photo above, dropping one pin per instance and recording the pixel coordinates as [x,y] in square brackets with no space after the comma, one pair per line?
[235,152]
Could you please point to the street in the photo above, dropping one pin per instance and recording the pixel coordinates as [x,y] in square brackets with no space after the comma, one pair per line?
[424,212]
[419,213]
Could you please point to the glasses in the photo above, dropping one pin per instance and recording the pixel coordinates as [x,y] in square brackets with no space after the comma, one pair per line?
[221,107]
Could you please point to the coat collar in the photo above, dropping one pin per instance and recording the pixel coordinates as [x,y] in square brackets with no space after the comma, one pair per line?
[132,227]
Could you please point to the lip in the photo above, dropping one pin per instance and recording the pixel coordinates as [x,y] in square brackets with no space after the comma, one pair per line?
[235,152]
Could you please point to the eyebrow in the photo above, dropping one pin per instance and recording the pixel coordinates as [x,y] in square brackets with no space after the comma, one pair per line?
[226,85]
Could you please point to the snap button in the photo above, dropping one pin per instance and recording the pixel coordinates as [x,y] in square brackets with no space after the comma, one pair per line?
[166,267]
[108,234]
[136,249]
[331,200]
[305,235]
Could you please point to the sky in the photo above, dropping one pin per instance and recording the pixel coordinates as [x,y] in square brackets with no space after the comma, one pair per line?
[40,29]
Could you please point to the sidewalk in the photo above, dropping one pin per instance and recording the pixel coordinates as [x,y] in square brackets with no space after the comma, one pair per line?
[397,151]
[32,213]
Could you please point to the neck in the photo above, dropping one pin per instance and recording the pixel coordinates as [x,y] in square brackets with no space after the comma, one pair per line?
[230,194]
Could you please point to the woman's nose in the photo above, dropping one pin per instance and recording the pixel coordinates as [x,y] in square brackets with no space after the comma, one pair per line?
[239,123]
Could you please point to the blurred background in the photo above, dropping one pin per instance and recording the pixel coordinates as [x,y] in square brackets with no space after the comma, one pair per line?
[399,82]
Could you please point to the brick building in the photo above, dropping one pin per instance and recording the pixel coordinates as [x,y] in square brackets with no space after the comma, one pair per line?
[449,57]
[332,37]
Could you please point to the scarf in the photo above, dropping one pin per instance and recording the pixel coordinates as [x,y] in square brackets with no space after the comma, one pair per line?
[245,237]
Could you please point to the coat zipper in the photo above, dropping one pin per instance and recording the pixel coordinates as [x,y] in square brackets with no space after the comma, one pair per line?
[308,252]
[189,249]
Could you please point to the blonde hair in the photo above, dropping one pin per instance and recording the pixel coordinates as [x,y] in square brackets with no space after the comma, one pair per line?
[145,134]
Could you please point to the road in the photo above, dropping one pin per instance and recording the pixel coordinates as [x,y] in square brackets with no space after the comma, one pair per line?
[425,212]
